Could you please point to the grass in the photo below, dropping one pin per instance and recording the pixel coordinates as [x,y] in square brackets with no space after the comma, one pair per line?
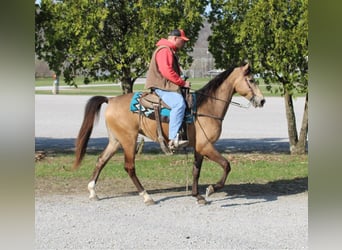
[110,90]
[246,168]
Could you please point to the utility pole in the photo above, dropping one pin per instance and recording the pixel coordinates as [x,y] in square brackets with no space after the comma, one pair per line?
[55,84]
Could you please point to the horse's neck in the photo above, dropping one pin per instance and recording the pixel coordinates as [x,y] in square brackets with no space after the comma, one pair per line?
[218,104]
[226,90]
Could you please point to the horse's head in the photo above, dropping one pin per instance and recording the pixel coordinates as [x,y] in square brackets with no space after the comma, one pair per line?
[246,86]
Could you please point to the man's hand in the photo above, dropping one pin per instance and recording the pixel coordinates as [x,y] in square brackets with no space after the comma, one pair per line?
[187,84]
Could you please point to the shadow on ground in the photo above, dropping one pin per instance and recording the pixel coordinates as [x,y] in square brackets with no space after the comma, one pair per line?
[279,187]
[262,145]
[251,193]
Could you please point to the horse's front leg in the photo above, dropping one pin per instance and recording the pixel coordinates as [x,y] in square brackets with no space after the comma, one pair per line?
[196,172]
[218,158]
[130,169]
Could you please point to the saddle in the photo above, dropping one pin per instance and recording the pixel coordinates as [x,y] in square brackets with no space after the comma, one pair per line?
[150,100]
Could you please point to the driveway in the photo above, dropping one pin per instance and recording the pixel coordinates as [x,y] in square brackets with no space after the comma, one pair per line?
[59,117]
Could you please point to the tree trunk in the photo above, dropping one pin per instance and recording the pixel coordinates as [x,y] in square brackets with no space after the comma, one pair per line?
[126,82]
[297,145]
[301,145]
[127,86]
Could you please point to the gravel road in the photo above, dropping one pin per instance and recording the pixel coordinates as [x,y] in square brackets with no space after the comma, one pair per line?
[237,220]
[176,222]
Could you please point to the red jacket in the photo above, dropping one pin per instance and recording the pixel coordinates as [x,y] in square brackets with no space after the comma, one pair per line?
[164,59]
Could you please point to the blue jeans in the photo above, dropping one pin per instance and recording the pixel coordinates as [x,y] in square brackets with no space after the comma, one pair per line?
[177,104]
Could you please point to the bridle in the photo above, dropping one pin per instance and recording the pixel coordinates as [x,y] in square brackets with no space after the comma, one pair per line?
[227,103]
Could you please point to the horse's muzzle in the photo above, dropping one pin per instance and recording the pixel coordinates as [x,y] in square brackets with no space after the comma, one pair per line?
[258,102]
[262,102]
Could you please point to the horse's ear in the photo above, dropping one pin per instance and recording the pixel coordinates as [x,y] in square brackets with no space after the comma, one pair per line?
[246,68]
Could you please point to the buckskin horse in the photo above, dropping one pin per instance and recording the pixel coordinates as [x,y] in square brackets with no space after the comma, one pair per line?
[123,127]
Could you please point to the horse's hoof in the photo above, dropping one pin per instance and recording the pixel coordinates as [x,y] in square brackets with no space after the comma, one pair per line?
[202,202]
[150,202]
[94,198]
[210,190]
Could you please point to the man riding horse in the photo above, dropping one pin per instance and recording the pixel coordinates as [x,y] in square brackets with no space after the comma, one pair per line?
[164,78]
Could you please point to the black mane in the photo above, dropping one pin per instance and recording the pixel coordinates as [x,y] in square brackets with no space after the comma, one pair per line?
[210,88]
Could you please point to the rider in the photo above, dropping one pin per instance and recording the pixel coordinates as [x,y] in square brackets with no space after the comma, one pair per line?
[164,77]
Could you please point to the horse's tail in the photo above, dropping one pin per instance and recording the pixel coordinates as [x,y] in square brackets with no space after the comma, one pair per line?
[91,113]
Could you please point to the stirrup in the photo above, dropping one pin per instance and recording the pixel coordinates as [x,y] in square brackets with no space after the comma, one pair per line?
[173,145]
[176,143]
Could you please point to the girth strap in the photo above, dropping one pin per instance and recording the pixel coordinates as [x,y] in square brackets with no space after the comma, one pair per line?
[211,116]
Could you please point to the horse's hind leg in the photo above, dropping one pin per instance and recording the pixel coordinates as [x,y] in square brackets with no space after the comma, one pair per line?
[102,160]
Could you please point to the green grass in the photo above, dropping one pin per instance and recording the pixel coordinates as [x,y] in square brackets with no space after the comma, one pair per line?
[48,81]
[110,90]
[246,168]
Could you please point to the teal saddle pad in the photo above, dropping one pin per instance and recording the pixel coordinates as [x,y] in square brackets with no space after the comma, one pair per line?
[136,107]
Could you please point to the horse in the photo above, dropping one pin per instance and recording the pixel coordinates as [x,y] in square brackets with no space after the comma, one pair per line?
[124,126]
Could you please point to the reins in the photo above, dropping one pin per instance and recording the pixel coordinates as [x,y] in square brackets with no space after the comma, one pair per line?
[240,105]
[231,102]
[212,97]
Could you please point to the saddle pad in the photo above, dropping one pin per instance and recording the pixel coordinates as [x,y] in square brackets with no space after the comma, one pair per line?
[136,107]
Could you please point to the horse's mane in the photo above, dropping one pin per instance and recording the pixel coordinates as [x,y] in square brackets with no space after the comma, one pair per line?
[210,88]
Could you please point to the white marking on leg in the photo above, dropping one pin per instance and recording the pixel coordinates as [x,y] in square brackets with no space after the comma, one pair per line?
[147,198]
[91,188]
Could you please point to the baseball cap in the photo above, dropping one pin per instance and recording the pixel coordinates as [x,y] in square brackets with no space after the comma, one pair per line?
[180,33]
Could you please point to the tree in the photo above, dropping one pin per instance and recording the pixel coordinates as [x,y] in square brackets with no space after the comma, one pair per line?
[66,34]
[273,36]
[115,39]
